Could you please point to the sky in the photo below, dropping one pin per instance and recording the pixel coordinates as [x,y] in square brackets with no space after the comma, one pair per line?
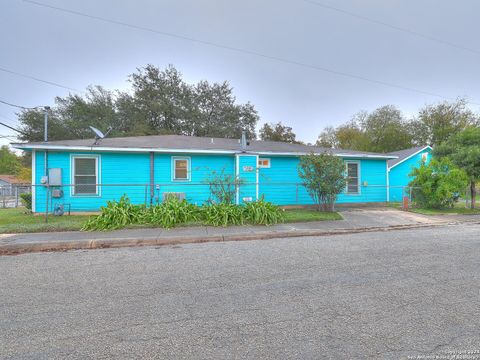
[301,62]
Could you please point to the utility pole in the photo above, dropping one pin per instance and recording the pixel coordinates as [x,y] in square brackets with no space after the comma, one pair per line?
[45,130]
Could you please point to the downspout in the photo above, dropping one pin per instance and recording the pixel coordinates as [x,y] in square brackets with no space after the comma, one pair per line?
[388,182]
[152,177]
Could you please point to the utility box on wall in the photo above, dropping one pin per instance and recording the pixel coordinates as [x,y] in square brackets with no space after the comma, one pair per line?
[55,177]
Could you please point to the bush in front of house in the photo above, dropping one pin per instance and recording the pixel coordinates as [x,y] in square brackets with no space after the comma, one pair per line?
[27,200]
[437,184]
[324,178]
[173,212]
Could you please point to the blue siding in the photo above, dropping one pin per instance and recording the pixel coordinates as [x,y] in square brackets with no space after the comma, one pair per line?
[247,173]
[399,175]
[115,168]
[279,184]
[197,190]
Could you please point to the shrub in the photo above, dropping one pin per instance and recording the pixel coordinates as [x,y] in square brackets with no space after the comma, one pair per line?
[438,184]
[27,200]
[171,212]
[263,213]
[324,178]
[223,187]
[116,215]
[223,214]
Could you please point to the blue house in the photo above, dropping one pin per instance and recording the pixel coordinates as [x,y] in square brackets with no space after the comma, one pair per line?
[82,175]
[400,168]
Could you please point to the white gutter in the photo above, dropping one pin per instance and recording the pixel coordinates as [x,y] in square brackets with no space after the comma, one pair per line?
[367,156]
[117,149]
[192,151]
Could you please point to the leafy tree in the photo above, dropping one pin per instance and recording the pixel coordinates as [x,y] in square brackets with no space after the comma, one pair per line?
[386,130]
[71,116]
[9,162]
[159,102]
[324,178]
[463,149]
[328,138]
[436,123]
[278,132]
[437,184]
[383,130]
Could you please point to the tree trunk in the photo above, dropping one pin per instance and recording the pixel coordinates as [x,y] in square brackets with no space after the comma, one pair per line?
[473,194]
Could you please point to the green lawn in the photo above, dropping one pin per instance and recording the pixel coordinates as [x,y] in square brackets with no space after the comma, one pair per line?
[304,215]
[18,221]
[459,208]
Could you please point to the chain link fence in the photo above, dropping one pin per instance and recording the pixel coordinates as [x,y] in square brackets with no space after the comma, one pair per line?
[90,197]
[86,198]
[13,196]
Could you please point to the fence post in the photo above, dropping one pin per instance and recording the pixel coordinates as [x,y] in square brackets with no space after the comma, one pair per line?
[16,196]
[46,204]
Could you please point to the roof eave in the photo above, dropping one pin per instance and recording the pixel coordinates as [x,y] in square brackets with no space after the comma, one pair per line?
[410,156]
[27,146]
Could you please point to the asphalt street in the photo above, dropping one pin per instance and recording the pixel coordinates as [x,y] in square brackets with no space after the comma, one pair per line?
[386,295]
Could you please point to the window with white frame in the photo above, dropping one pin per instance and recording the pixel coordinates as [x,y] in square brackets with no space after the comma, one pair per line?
[85,175]
[263,163]
[353,177]
[181,168]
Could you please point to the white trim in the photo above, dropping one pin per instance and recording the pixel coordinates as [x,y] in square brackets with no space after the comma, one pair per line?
[34,176]
[359,177]
[119,149]
[388,182]
[257,170]
[412,155]
[189,168]
[189,151]
[263,166]
[360,156]
[98,172]
[237,172]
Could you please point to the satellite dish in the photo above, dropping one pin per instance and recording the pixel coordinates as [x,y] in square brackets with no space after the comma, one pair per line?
[97,132]
[99,135]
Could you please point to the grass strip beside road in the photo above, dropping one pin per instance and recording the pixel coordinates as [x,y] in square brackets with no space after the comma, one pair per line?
[20,221]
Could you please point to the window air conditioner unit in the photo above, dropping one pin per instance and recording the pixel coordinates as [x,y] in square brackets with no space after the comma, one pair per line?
[178,195]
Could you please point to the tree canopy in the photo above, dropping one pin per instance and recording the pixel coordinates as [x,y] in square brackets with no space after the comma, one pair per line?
[9,162]
[159,102]
[277,132]
[383,130]
[463,149]
[386,129]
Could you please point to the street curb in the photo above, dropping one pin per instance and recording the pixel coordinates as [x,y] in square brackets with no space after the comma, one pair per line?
[24,248]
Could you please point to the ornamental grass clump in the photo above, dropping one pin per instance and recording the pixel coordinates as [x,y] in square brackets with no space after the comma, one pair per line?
[116,215]
[171,212]
[223,214]
[262,212]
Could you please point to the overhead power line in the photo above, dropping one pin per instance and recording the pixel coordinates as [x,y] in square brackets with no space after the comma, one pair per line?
[239,50]
[10,137]
[394,27]
[12,128]
[36,79]
[19,106]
